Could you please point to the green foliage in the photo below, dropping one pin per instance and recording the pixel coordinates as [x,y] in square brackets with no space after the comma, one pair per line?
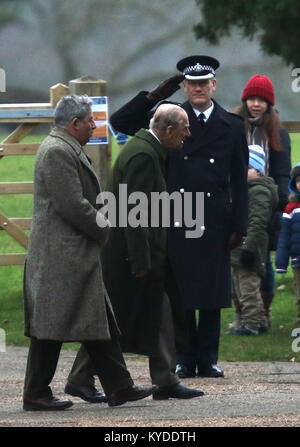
[275,23]
[9,12]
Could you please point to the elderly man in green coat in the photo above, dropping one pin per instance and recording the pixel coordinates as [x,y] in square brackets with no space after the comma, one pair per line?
[64,293]
[135,258]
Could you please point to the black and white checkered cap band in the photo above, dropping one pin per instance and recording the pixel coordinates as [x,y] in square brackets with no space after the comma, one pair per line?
[198,67]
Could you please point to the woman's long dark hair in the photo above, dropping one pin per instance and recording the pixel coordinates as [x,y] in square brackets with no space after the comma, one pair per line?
[270,124]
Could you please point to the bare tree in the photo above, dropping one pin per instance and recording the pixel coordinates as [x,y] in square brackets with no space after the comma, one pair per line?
[68,23]
[65,22]
[166,22]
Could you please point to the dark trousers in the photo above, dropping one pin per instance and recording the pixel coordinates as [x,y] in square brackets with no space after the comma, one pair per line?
[160,365]
[267,283]
[203,339]
[106,357]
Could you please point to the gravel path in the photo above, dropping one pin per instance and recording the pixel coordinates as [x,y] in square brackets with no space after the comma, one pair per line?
[251,394]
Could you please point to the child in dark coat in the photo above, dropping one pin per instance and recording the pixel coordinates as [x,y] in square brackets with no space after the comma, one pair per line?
[248,260]
[289,238]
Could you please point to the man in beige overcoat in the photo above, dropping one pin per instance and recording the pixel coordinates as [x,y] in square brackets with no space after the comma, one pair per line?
[65,298]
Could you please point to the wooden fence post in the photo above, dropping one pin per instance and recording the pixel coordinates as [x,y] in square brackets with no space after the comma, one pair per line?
[57,91]
[99,153]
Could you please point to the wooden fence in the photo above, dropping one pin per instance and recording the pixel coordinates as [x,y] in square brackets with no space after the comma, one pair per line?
[28,117]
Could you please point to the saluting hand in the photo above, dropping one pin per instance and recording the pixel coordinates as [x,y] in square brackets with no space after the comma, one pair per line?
[166,88]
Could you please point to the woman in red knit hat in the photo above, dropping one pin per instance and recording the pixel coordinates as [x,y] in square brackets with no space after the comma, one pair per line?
[263,128]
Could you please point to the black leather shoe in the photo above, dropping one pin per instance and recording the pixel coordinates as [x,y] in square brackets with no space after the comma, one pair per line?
[176,391]
[212,371]
[87,393]
[130,394]
[183,372]
[46,404]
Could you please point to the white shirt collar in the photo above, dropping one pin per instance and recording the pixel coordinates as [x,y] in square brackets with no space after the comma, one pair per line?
[206,112]
[155,136]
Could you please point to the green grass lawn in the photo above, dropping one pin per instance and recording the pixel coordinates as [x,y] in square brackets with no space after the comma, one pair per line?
[275,345]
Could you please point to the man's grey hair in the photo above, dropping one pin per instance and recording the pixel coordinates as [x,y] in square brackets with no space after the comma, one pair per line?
[167,115]
[72,106]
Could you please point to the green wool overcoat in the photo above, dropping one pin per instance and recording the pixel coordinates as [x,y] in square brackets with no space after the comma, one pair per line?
[64,293]
[137,301]
[263,199]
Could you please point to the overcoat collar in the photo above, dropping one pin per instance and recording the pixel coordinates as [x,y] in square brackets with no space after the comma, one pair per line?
[156,145]
[58,132]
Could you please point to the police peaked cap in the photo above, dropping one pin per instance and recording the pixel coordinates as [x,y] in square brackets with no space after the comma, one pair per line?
[198,67]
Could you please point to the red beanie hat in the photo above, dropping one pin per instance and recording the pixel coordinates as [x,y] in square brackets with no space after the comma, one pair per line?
[260,86]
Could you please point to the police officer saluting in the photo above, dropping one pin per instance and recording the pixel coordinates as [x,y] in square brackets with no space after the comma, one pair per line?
[214,160]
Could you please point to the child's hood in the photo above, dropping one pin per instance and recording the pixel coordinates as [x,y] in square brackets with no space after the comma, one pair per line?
[292,183]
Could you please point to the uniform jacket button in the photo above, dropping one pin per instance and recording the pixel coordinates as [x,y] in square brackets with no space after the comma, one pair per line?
[186,157]
[212,160]
[182,190]
[208,194]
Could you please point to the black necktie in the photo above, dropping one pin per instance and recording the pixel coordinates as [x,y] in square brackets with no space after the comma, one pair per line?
[201,119]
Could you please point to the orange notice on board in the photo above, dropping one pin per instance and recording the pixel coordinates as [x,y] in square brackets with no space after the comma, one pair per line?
[100,115]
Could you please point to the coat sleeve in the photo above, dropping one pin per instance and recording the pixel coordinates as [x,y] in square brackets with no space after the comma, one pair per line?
[282,252]
[260,211]
[238,181]
[134,115]
[61,177]
[139,177]
[280,168]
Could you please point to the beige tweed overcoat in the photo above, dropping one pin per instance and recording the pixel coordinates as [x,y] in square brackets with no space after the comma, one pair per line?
[64,294]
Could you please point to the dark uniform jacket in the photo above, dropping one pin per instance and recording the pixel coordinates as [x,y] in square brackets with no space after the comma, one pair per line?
[214,160]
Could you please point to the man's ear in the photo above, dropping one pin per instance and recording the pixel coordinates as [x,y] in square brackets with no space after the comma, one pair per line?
[73,126]
[74,122]
[169,130]
[214,82]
